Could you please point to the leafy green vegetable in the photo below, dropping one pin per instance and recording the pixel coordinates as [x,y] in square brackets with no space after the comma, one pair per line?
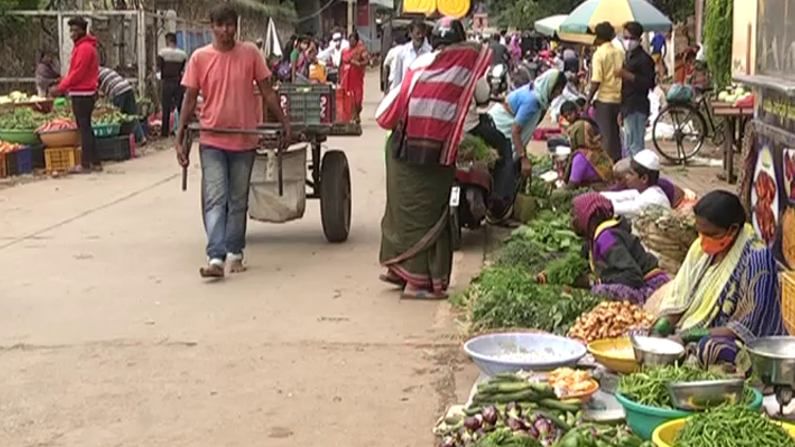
[474,149]
[22,118]
[504,297]
[504,437]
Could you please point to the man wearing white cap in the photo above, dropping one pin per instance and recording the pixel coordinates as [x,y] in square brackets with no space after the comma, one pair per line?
[643,187]
[332,56]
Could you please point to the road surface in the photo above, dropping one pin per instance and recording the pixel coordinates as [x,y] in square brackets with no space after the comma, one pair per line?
[108,337]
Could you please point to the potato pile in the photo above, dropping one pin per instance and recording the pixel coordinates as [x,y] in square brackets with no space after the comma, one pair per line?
[610,319]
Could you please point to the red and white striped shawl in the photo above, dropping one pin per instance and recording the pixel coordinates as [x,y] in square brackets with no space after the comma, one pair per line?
[434,98]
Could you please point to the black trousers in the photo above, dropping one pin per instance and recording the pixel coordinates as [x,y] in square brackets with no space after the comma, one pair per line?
[83,107]
[171,98]
[607,120]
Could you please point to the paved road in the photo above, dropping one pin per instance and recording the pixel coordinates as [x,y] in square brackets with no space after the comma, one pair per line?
[109,338]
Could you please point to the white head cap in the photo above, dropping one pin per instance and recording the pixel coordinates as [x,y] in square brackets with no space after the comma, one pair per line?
[336,36]
[648,159]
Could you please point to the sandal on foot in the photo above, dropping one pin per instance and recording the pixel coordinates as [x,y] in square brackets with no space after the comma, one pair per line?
[235,263]
[426,295]
[392,279]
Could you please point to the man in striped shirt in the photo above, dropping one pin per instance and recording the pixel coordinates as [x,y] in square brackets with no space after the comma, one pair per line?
[122,95]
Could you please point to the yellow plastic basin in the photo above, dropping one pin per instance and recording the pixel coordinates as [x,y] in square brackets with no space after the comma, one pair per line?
[665,434]
[615,354]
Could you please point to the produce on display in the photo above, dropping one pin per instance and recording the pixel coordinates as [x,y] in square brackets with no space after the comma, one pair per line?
[474,149]
[568,382]
[57,124]
[109,116]
[6,147]
[22,119]
[737,96]
[510,297]
[594,435]
[546,245]
[19,97]
[732,426]
[609,320]
[649,387]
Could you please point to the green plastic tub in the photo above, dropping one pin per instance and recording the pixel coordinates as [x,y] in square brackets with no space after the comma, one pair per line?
[643,419]
[19,136]
[106,130]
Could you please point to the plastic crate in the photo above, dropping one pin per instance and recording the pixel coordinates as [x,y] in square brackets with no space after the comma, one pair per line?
[308,104]
[115,148]
[37,156]
[19,162]
[788,300]
[106,130]
[61,158]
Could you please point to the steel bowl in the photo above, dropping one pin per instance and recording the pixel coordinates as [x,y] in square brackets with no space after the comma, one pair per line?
[496,353]
[700,395]
[773,359]
[655,351]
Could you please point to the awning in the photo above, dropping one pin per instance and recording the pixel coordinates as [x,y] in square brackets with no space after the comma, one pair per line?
[550,26]
[618,12]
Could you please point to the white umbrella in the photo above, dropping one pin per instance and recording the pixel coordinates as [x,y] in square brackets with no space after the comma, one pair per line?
[272,45]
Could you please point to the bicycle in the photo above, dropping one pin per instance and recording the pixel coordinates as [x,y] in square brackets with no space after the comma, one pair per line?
[686,123]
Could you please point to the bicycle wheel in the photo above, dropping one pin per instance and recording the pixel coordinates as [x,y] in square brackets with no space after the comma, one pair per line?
[678,132]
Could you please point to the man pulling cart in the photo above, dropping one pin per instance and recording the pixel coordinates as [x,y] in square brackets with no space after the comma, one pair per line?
[223,72]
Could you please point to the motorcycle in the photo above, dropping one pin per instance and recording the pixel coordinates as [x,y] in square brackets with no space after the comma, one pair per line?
[498,80]
[468,196]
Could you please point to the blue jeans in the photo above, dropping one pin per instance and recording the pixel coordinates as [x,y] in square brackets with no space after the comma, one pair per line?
[635,132]
[225,181]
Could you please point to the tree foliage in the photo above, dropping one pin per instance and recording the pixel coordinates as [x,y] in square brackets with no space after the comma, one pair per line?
[718,30]
[676,10]
[523,13]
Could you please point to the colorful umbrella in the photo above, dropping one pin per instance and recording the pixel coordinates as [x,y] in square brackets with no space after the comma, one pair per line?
[585,17]
[550,26]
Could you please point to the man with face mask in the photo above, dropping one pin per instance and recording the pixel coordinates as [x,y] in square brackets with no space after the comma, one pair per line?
[637,75]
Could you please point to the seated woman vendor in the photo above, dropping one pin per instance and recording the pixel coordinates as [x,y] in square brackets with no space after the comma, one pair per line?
[624,270]
[589,164]
[726,292]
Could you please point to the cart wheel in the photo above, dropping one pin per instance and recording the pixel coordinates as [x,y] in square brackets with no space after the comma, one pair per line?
[335,196]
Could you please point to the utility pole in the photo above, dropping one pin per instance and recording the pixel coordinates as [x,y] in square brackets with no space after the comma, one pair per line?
[351,7]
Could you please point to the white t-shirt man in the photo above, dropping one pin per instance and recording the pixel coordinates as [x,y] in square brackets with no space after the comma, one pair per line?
[406,56]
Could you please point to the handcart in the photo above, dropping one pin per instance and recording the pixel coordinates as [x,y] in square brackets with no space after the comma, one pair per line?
[277,197]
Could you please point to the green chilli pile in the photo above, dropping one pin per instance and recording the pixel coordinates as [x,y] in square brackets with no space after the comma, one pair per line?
[732,426]
[649,387]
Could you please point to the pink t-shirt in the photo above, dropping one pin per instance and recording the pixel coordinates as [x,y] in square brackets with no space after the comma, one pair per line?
[226,83]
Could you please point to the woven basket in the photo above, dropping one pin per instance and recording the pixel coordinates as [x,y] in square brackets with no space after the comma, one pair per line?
[668,234]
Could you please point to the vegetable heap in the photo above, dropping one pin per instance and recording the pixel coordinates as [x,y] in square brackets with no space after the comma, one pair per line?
[732,426]
[109,116]
[510,410]
[474,149]
[57,124]
[510,297]
[649,387]
[546,245]
[608,320]
[6,147]
[22,118]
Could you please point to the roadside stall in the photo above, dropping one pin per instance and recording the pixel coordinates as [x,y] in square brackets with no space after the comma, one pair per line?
[769,166]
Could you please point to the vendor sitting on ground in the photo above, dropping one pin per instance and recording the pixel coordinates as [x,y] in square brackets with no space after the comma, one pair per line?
[642,187]
[589,164]
[726,292]
[624,270]
[680,198]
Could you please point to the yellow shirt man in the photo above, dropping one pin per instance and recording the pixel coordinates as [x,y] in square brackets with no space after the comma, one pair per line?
[606,61]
